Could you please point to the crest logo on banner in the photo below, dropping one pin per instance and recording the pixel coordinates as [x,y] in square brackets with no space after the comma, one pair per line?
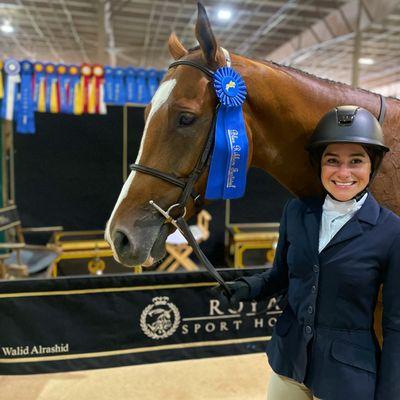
[160,319]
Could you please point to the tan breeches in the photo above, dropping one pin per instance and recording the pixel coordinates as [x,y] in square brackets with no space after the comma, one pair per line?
[283,388]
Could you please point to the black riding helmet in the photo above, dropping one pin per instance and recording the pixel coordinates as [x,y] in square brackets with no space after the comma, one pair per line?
[348,124]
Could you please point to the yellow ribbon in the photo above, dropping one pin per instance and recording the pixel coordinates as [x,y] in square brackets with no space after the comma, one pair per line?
[41,104]
[54,106]
[78,100]
[92,96]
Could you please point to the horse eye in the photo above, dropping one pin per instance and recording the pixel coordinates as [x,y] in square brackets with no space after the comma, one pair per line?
[186,119]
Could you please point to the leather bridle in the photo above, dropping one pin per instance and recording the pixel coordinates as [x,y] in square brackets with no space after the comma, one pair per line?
[187,184]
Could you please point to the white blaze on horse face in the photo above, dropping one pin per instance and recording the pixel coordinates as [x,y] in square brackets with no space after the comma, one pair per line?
[159,98]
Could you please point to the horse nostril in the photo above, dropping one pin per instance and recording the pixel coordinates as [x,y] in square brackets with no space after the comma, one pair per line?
[122,244]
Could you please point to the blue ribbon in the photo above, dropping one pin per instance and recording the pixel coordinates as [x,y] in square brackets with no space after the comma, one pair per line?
[228,169]
[26,110]
[73,82]
[119,87]
[161,74]
[130,81]
[152,82]
[64,81]
[10,99]
[142,89]
[108,85]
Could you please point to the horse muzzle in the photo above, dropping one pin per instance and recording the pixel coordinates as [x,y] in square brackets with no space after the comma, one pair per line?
[142,245]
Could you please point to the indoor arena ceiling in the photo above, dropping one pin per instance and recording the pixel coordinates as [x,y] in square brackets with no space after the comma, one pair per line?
[317,36]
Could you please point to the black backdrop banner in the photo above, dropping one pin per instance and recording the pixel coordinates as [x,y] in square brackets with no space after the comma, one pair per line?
[83,323]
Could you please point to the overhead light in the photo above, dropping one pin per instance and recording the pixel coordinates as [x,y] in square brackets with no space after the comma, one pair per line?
[224,14]
[366,61]
[7,27]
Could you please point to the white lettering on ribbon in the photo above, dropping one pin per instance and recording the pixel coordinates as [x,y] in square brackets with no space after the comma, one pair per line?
[235,158]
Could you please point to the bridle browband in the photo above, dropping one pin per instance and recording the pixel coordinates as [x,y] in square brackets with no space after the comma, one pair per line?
[187,184]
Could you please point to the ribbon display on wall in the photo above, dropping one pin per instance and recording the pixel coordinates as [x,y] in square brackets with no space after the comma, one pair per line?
[26,87]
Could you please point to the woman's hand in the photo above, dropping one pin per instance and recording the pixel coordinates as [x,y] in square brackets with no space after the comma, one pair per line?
[240,291]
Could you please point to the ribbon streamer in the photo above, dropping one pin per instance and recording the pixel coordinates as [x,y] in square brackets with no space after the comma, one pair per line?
[119,87]
[108,85]
[26,112]
[142,89]
[131,87]
[63,88]
[73,88]
[152,81]
[86,74]
[11,69]
[228,169]
[51,89]
[39,96]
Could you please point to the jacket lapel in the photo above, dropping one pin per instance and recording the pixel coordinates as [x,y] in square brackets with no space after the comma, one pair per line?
[312,220]
[369,213]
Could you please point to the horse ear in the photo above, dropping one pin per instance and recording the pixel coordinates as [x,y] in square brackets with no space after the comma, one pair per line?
[205,36]
[176,48]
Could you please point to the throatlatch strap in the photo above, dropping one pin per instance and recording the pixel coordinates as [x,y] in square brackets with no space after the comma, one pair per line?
[382,111]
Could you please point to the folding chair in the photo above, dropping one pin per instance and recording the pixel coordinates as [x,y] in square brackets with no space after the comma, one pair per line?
[18,259]
[178,249]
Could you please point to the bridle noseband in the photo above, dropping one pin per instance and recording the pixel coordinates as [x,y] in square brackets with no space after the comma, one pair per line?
[187,184]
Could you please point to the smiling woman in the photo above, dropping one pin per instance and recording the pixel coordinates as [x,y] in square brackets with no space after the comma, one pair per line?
[333,253]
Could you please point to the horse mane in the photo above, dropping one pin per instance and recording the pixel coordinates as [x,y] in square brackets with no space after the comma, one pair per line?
[306,74]
[315,77]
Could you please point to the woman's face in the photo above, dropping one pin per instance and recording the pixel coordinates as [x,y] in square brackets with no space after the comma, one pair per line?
[345,170]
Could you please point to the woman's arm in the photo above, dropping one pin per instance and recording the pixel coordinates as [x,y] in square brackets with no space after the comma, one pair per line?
[388,386]
[272,282]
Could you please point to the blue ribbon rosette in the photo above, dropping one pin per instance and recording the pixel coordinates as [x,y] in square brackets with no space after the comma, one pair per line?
[26,112]
[228,169]
[12,78]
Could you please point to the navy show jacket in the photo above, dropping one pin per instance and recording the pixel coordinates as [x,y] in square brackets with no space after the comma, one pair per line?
[324,337]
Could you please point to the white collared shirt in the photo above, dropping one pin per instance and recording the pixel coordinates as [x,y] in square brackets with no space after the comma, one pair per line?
[334,215]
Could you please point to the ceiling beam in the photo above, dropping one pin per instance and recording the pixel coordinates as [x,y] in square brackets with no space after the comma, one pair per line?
[338,23]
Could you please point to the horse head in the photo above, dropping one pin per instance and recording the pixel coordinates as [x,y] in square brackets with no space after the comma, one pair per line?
[177,125]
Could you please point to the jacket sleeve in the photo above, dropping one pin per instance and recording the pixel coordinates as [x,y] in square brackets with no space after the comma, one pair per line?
[275,280]
[388,385]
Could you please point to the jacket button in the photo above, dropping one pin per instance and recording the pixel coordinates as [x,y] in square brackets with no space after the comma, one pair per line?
[310,309]
[316,268]
[308,329]
[313,288]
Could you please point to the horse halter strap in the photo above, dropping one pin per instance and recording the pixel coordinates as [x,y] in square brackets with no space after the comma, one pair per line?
[187,183]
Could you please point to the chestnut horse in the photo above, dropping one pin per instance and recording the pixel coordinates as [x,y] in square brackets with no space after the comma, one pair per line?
[282,107]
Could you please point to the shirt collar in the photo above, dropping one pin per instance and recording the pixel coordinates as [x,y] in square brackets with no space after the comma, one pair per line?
[342,207]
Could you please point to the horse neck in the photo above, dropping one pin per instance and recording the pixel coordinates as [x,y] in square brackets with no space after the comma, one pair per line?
[282,109]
